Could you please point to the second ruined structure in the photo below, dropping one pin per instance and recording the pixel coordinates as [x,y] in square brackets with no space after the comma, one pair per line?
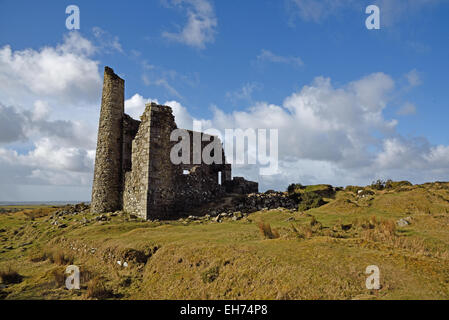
[133,169]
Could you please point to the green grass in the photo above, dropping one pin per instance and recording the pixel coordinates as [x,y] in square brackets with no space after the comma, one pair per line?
[325,258]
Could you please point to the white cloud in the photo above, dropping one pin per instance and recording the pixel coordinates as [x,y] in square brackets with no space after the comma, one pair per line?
[38,147]
[64,73]
[182,116]
[266,55]
[41,110]
[11,128]
[106,41]
[245,93]
[201,24]
[413,78]
[336,135]
[135,105]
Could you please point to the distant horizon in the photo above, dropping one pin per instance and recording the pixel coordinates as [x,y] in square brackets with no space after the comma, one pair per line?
[42,202]
[50,202]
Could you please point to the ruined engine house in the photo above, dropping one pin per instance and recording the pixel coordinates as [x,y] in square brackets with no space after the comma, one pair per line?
[133,169]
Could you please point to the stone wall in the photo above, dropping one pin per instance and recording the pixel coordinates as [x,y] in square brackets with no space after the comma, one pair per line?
[135,191]
[133,169]
[241,186]
[157,188]
[161,185]
[107,185]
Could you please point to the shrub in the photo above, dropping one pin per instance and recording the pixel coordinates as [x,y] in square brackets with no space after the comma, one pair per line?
[292,187]
[210,275]
[267,232]
[310,200]
[10,276]
[296,197]
[378,185]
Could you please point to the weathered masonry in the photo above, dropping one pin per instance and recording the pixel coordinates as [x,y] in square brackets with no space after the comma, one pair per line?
[133,170]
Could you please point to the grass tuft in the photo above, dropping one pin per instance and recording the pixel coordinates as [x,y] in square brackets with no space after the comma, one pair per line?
[267,232]
[96,289]
[59,257]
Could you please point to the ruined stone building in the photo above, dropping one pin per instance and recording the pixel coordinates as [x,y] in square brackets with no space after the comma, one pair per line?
[133,170]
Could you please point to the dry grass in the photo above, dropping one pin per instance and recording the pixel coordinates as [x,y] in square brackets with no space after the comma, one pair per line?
[59,257]
[58,277]
[267,232]
[374,230]
[96,289]
[10,276]
[230,261]
[38,213]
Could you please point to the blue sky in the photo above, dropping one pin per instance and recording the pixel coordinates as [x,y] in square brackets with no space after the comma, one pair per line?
[243,57]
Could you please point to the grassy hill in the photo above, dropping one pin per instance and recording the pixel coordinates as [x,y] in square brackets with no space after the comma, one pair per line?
[321,253]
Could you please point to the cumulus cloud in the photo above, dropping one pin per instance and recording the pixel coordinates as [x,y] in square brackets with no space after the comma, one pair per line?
[135,105]
[45,140]
[201,25]
[64,73]
[58,146]
[336,135]
[10,125]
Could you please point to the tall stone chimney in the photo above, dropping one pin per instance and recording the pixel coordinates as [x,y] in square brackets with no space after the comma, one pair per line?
[107,185]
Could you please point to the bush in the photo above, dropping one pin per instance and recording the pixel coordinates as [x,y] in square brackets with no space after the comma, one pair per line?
[378,185]
[296,197]
[388,184]
[10,276]
[267,232]
[292,187]
[310,200]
